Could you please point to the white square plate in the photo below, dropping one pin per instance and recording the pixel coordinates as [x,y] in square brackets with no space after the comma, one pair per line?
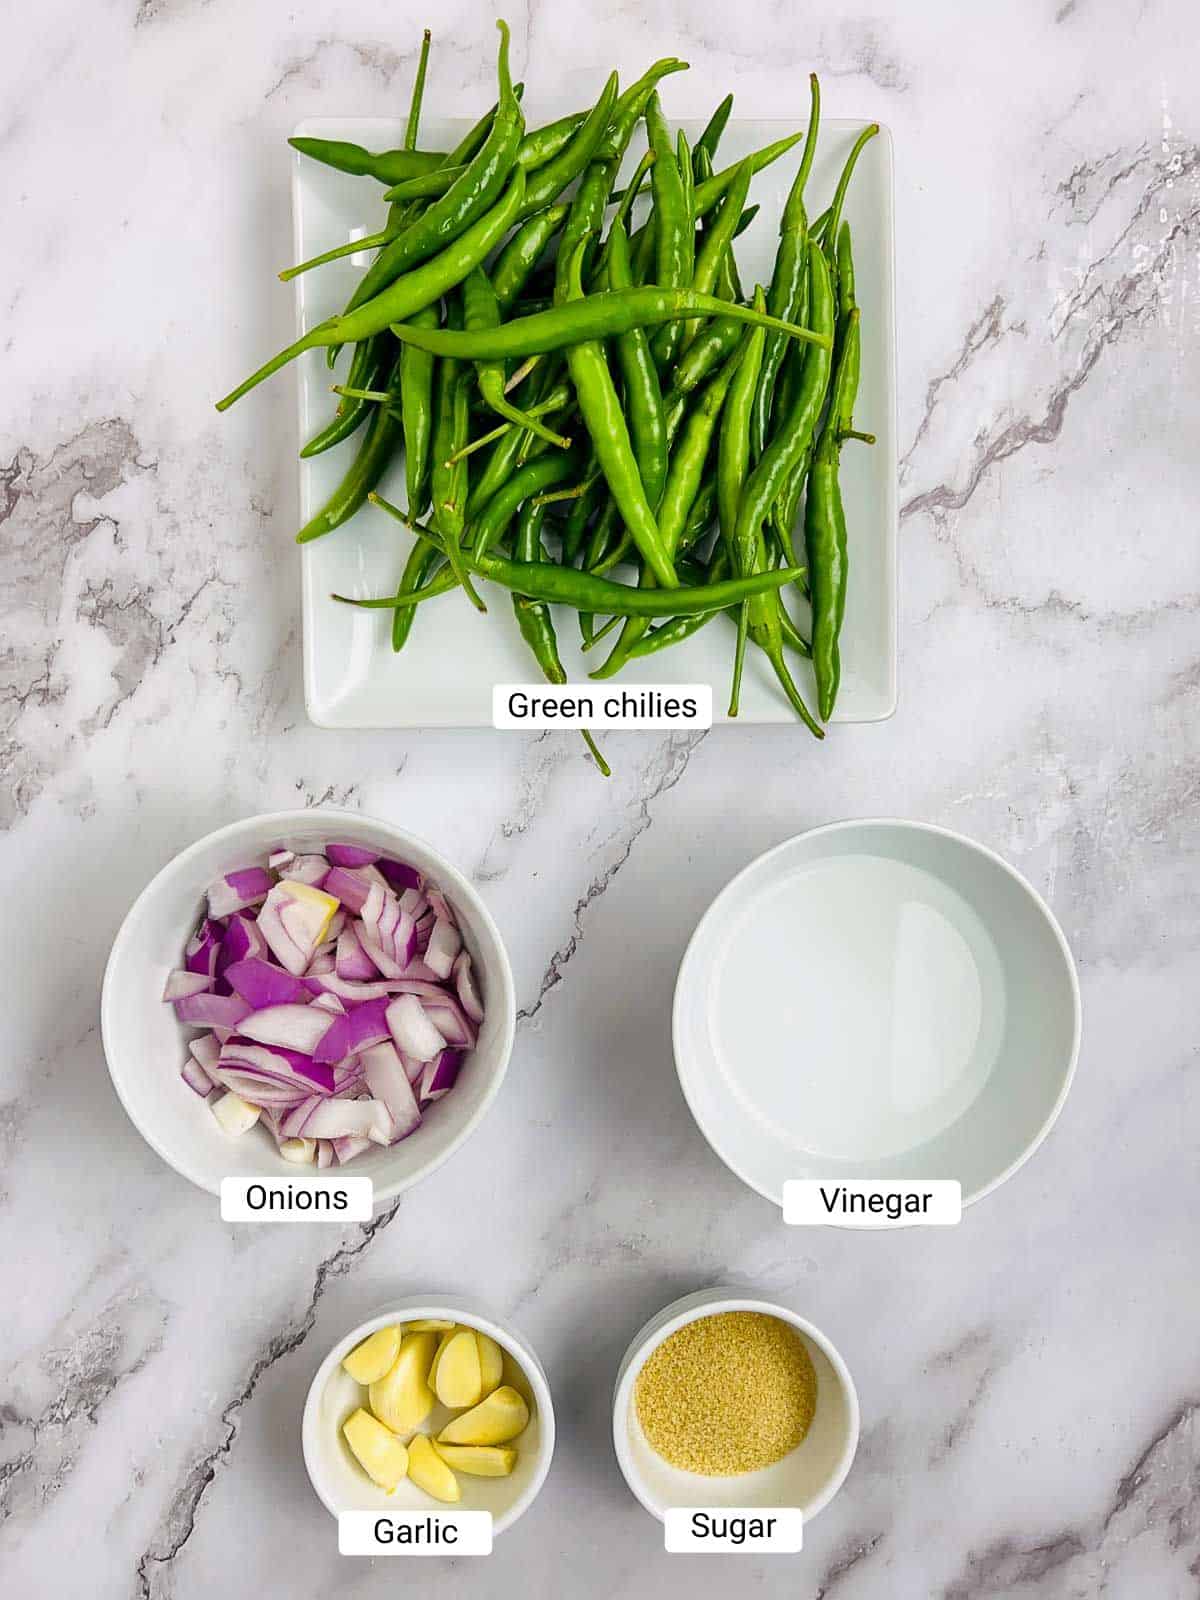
[444,677]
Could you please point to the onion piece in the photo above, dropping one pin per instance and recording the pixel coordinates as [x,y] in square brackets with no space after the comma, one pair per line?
[388,1082]
[450,1021]
[204,948]
[444,944]
[194,1075]
[325,1153]
[291,1124]
[206,1048]
[312,869]
[295,1027]
[243,941]
[180,984]
[301,1151]
[237,890]
[413,1031]
[439,1076]
[399,874]
[351,855]
[346,1149]
[294,920]
[468,994]
[355,1031]
[329,1002]
[234,1115]
[278,859]
[280,1062]
[261,1089]
[211,1010]
[335,1119]
[261,983]
[351,960]
[441,906]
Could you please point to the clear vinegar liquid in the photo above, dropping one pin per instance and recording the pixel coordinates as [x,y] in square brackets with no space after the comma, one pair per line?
[859,1007]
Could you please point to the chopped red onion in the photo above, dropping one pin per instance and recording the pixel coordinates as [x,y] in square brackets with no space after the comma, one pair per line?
[355,1031]
[351,855]
[444,944]
[399,874]
[468,994]
[295,1027]
[332,1030]
[211,1010]
[438,1077]
[293,926]
[385,1077]
[236,890]
[261,983]
[351,960]
[204,949]
[194,1075]
[346,1149]
[279,1061]
[312,870]
[413,1031]
[206,1048]
[180,984]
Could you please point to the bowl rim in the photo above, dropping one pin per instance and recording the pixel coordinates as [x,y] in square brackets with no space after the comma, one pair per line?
[710,1303]
[453,1308]
[910,825]
[502,979]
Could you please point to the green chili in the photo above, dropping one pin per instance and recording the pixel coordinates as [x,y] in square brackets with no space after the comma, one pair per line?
[600,408]
[368,466]
[409,294]
[714,128]
[367,368]
[470,197]
[524,250]
[643,394]
[416,413]
[566,586]
[534,619]
[481,314]
[674,234]
[597,316]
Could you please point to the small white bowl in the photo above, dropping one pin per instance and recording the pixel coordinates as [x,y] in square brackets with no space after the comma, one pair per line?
[145,1045]
[877,999]
[340,1482]
[806,1478]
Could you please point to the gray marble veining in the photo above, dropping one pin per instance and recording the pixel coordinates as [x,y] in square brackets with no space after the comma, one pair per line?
[1030,1382]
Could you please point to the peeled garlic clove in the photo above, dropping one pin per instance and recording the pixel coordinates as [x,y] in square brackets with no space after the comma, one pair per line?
[429,1472]
[458,1380]
[402,1398]
[479,1460]
[430,1325]
[377,1450]
[496,1420]
[301,1151]
[375,1356]
[491,1363]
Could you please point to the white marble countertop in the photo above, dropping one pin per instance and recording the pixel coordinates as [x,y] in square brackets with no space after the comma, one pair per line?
[1029,1380]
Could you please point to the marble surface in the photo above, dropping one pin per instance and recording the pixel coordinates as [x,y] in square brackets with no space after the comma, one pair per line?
[1030,1380]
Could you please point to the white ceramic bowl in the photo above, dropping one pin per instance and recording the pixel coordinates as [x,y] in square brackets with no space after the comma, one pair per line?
[145,1045]
[340,1482]
[877,999]
[807,1478]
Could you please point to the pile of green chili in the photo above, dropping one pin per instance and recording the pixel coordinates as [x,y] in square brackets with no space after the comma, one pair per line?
[577,394]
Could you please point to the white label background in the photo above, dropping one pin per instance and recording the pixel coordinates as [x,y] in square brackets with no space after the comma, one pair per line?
[502,717]
[804,1207]
[359,1192]
[786,1538]
[356,1533]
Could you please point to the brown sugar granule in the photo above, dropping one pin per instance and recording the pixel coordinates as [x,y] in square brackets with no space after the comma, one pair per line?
[727,1394]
